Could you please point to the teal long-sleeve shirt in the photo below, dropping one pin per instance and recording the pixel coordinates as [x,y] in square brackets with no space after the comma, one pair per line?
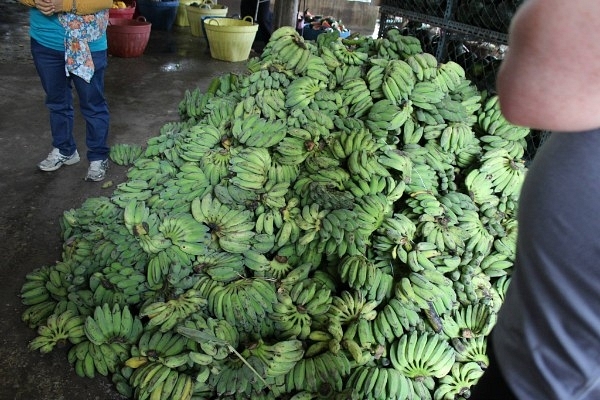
[49,32]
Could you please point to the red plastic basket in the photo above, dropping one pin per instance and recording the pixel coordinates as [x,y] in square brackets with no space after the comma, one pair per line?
[122,12]
[127,37]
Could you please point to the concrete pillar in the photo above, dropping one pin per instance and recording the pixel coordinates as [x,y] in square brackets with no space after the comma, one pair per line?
[285,13]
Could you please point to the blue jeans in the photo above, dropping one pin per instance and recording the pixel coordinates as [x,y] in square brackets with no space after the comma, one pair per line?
[50,65]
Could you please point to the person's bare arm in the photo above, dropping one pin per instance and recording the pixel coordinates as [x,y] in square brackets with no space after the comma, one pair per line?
[550,77]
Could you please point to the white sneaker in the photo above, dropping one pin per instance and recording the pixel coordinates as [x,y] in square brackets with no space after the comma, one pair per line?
[55,160]
[97,171]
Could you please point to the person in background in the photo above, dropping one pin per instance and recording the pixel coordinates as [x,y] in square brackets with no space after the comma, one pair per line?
[69,48]
[546,342]
[264,19]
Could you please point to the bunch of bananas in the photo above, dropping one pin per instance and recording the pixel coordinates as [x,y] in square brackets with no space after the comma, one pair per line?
[125,153]
[244,303]
[155,380]
[337,222]
[300,307]
[58,330]
[395,45]
[165,315]
[321,373]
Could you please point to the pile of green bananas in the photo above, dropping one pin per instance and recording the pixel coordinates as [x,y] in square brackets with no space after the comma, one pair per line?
[338,222]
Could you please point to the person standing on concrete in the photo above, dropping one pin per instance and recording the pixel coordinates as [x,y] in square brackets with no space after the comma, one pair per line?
[264,19]
[69,48]
[546,342]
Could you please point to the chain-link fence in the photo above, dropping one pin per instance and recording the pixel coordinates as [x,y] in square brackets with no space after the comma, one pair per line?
[492,15]
[473,33]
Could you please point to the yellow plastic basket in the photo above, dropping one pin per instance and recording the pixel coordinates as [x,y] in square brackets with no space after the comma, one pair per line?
[196,13]
[230,39]
[182,19]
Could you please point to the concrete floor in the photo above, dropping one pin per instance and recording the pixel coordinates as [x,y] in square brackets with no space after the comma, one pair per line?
[143,94]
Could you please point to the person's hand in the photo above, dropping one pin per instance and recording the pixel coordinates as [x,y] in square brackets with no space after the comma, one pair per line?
[49,7]
[46,7]
[58,5]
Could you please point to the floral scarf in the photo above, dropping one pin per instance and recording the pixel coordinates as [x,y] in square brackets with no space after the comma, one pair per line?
[79,30]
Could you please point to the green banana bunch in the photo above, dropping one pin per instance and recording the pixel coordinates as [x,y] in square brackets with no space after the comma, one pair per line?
[515,148]
[419,354]
[471,350]
[241,376]
[426,94]
[194,101]
[213,338]
[328,101]
[340,233]
[420,257]
[126,281]
[250,167]
[124,153]
[271,103]
[496,264]
[444,232]
[108,324]
[220,266]
[299,306]
[506,174]
[280,357]
[398,82]
[396,160]
[349,306]
[309,221]
[317,68]
[155,380]
[358,272]
[424,65]
[419,288]
[378,383]
[36,314]
[310,374]
[468,321]
[58,330]
[255,131]
[230,228]
[218,113]
[302,91]
[349,56]
[480,188]
[507,244]
[165,315]
[168,348]
[449,76]
[393,239]
[34,290]
[356,96]
[385,116]
[374,76]
[456,136]
[457,383]
[405,45]
[243,303]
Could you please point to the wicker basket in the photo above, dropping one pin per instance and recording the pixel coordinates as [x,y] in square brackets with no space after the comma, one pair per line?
[230,39]
[127,37]
[195,13]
